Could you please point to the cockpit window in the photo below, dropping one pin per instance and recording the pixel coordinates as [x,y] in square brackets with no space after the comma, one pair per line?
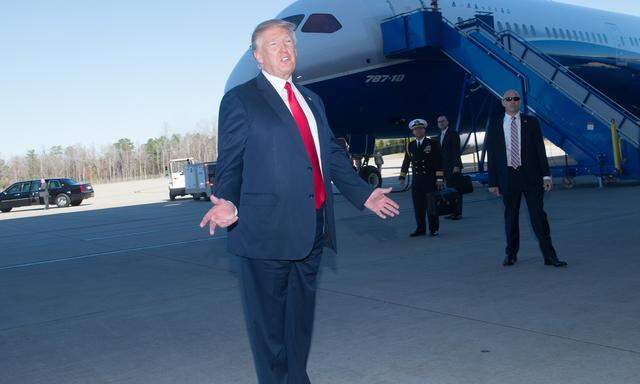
[294,19]
[321,23]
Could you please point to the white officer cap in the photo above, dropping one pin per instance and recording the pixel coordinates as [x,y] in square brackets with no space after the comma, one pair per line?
[417,123]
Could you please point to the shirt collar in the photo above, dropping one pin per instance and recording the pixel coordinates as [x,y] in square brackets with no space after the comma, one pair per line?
[508,117]
[276,82]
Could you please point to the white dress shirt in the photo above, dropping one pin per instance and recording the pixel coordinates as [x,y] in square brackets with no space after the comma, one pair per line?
[442,135]
[506,125]
[279,85]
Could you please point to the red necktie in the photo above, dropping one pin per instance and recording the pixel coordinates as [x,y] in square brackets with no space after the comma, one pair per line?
[305,132]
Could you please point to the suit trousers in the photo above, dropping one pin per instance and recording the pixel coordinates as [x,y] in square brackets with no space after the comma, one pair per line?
[422,185]
[279,305]
[534,196]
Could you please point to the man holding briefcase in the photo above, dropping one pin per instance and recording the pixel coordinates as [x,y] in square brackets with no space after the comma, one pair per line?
[451,162]
[425,158]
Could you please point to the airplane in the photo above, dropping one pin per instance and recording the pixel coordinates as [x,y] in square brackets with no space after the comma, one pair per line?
[368,96]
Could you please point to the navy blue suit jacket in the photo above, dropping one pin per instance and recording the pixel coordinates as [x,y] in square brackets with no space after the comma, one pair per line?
[263,168]
[535,165]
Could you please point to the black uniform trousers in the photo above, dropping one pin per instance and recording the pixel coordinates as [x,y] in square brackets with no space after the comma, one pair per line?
[279,305]
[534,197]
[422,185]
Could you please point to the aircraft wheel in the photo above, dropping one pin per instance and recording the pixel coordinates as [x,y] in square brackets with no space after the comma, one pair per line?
[372,176]
[568,182]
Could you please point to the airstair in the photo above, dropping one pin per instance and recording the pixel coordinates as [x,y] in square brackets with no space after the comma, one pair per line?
[575,116]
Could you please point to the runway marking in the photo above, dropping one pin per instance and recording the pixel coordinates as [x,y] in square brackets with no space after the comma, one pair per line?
[92,255]
[172,205]
[124,235]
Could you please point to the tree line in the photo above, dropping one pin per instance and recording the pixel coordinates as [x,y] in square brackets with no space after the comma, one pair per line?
[119,161]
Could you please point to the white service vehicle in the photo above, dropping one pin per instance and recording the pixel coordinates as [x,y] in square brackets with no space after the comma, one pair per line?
[198,179]
[176,176]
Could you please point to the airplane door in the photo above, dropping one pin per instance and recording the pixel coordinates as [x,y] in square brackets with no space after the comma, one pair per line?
[11,196]
[25,195]
[404,6]
[617,41]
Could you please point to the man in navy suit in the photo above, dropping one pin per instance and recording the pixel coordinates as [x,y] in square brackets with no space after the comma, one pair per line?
[451,161]
[518,166]
[277,159]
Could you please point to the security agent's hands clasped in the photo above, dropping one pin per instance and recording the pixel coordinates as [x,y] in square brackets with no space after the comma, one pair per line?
[222,214]
[548,186]
[382,205]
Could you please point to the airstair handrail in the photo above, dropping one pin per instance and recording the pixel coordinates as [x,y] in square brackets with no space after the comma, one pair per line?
[523,79]
[475,41]
[627,115]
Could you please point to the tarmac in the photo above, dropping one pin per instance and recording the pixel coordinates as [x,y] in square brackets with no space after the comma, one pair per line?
[128,289]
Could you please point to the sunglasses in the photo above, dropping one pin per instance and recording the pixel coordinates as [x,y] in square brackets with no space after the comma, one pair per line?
[515,98]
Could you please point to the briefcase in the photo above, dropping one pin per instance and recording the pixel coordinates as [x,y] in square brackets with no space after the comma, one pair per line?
[462,183]
[443,202]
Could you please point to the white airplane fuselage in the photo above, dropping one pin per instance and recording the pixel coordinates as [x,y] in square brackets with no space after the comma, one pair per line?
[366,93]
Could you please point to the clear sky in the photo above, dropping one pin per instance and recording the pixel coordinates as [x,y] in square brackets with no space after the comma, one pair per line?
[91,72]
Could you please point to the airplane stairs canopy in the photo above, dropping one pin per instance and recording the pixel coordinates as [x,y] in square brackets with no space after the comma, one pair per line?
[574,115]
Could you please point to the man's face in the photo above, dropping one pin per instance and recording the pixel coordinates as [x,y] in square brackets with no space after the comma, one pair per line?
[443,123]
[419,132]
[511,102]
[276,52]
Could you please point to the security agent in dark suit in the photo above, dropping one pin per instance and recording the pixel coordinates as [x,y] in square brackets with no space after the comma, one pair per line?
[518,166]
[451,162]
[277,159]
[424,156]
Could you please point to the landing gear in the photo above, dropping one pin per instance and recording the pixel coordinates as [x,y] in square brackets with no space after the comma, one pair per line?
[609,180]
[361,148]
[371,175]
[568,182]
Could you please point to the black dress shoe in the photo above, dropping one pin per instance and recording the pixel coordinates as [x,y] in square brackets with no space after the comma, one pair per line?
[433,233]
[417,233]
[509,261]
[450,217]
[456,217]
[555,262]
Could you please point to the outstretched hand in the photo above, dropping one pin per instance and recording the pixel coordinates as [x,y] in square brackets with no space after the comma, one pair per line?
[222,214]
[381,205]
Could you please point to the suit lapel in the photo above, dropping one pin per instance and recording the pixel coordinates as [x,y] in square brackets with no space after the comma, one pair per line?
[501,141]
[524,136]
[275,102]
